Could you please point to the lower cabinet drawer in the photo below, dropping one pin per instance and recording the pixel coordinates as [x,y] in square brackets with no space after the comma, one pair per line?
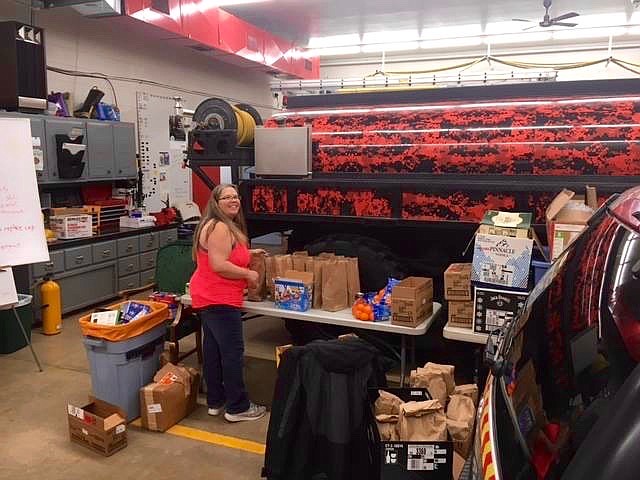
[104,251]
[128,265]
[148,260]
[147,277]
[54,265]
[77,257]
[128,282]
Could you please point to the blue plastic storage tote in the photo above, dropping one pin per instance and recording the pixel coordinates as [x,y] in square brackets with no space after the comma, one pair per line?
[120,369]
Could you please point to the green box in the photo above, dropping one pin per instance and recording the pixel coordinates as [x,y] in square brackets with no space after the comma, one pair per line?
[11,338]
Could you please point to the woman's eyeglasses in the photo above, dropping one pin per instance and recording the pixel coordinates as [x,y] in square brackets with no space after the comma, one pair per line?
[230,197]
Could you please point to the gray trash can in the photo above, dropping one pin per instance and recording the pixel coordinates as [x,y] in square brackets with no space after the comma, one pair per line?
[120,369]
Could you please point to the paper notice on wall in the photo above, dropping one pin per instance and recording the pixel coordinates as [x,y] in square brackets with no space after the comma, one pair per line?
[22,238]
[8,294]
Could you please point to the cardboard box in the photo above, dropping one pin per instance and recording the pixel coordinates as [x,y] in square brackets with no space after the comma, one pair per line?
[171,397]
[567,216]
[294,291]
[527,401]
[98,425]
[506,224]
[503,261]
[412,301]
[461,314]
[67,227]
[457,282]
[414,460]
[493,308]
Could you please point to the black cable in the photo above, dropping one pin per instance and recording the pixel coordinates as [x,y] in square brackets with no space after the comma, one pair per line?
[141,81]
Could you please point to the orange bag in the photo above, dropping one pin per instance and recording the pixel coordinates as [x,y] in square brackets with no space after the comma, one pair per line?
[159,314]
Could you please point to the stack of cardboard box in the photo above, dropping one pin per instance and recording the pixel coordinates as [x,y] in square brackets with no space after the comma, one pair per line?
[500,269]
[459,293]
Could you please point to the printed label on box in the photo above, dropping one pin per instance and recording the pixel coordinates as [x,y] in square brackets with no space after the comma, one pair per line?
[421,457]
[154,408]
[502,260]
[120,429]
[75,412]
[495,308]
[168,379]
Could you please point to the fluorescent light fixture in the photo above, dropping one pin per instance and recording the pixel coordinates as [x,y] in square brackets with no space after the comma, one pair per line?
[390,47]
[395,36]
[334,41]
[498,28]
[331,51]
[588,33]
[451,42]
[519,38]
[454,31]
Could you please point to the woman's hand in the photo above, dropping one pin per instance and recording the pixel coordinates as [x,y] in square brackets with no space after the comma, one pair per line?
[258,251]
[252,278]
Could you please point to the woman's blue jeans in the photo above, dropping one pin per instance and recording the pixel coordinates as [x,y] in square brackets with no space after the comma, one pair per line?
[223,350]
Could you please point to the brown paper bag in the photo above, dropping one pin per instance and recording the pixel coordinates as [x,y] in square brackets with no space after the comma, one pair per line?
[334,286]
[447,372]
[387,427]
[461,409]
[433,381]
[300,253]
[422,422]
[461,414]
[269,268]
[353,279]
[257,263]
[281,264]
[326,255]
[387,404]
[469,390]
[298,261]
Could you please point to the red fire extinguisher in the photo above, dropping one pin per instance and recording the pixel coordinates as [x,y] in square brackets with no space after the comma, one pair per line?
[51,307]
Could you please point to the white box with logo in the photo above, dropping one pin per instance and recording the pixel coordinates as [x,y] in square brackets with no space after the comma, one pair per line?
[503,261]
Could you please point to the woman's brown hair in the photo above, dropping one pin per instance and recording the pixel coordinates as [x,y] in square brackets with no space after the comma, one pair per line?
[237,226]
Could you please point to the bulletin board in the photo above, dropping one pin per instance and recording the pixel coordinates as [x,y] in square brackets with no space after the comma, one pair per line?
[161,159]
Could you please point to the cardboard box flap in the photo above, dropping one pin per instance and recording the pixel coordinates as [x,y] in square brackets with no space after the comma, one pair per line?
[113,421]
[507,219]
[107,415]
[173,374]
[558,203]
[304,277]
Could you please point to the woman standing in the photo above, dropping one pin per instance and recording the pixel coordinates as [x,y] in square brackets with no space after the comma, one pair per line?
[221,253]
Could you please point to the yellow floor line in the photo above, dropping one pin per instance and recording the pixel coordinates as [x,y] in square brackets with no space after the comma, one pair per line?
[217,439]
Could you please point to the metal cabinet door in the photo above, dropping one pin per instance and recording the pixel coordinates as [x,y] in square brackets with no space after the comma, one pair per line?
[60,126]
[40,149]
[124,144]
[100,152]
[88,286]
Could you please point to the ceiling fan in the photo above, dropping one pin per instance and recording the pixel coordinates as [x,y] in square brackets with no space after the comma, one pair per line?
[547,21]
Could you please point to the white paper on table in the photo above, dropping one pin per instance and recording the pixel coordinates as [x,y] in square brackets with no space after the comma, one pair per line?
[8,294]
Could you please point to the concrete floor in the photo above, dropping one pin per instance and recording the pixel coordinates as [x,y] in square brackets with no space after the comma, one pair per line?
[33,420]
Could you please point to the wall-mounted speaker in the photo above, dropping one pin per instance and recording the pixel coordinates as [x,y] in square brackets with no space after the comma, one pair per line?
[23,83]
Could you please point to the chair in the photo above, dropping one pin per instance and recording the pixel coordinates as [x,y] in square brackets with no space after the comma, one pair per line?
[174,267]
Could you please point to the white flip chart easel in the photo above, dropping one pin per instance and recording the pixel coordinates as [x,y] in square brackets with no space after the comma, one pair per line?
[22,238]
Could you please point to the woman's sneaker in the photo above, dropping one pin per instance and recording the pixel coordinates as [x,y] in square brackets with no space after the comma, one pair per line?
[254,412]
[214,411]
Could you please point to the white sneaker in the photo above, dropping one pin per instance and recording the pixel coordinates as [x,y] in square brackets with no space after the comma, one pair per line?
[254,412]
[215,411]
